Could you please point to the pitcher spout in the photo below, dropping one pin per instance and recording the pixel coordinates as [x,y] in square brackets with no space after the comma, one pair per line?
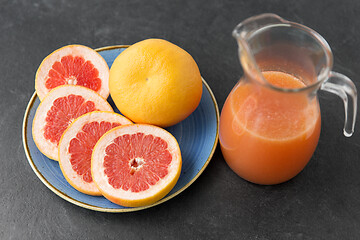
[252,24]
[243,32]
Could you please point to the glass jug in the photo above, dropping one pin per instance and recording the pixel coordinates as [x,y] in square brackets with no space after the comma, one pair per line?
[270,122]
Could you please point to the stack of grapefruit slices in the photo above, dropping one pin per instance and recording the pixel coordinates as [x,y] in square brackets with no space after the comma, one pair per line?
[99,152]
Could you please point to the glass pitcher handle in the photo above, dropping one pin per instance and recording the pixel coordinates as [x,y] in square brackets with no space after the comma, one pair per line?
[342,86]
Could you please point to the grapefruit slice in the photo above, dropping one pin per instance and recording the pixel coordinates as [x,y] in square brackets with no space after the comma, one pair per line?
[136,165]
[76,65]
[77,143]
[57,110]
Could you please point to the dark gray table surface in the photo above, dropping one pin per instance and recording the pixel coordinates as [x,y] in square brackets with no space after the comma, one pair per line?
[322,202]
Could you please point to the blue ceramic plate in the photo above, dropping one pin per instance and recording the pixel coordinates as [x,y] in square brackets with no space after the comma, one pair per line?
[197,136]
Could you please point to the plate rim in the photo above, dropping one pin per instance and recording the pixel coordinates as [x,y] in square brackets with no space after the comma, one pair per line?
[111,210]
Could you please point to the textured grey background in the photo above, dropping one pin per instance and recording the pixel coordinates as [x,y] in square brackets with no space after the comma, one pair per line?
[323,202]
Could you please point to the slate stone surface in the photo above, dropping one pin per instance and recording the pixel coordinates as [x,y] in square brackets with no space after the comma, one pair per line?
[322,202]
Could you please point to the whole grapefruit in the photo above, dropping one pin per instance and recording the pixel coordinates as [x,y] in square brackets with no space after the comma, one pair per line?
[155,82]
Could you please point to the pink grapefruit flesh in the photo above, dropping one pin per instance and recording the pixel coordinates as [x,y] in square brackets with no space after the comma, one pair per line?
[77,143]
[136,165]
[75,65]
[58,110]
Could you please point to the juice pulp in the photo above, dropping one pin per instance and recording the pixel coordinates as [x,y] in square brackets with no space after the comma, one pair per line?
[268,136]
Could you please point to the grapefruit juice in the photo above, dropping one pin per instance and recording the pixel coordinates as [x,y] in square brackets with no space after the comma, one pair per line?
[268,136]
